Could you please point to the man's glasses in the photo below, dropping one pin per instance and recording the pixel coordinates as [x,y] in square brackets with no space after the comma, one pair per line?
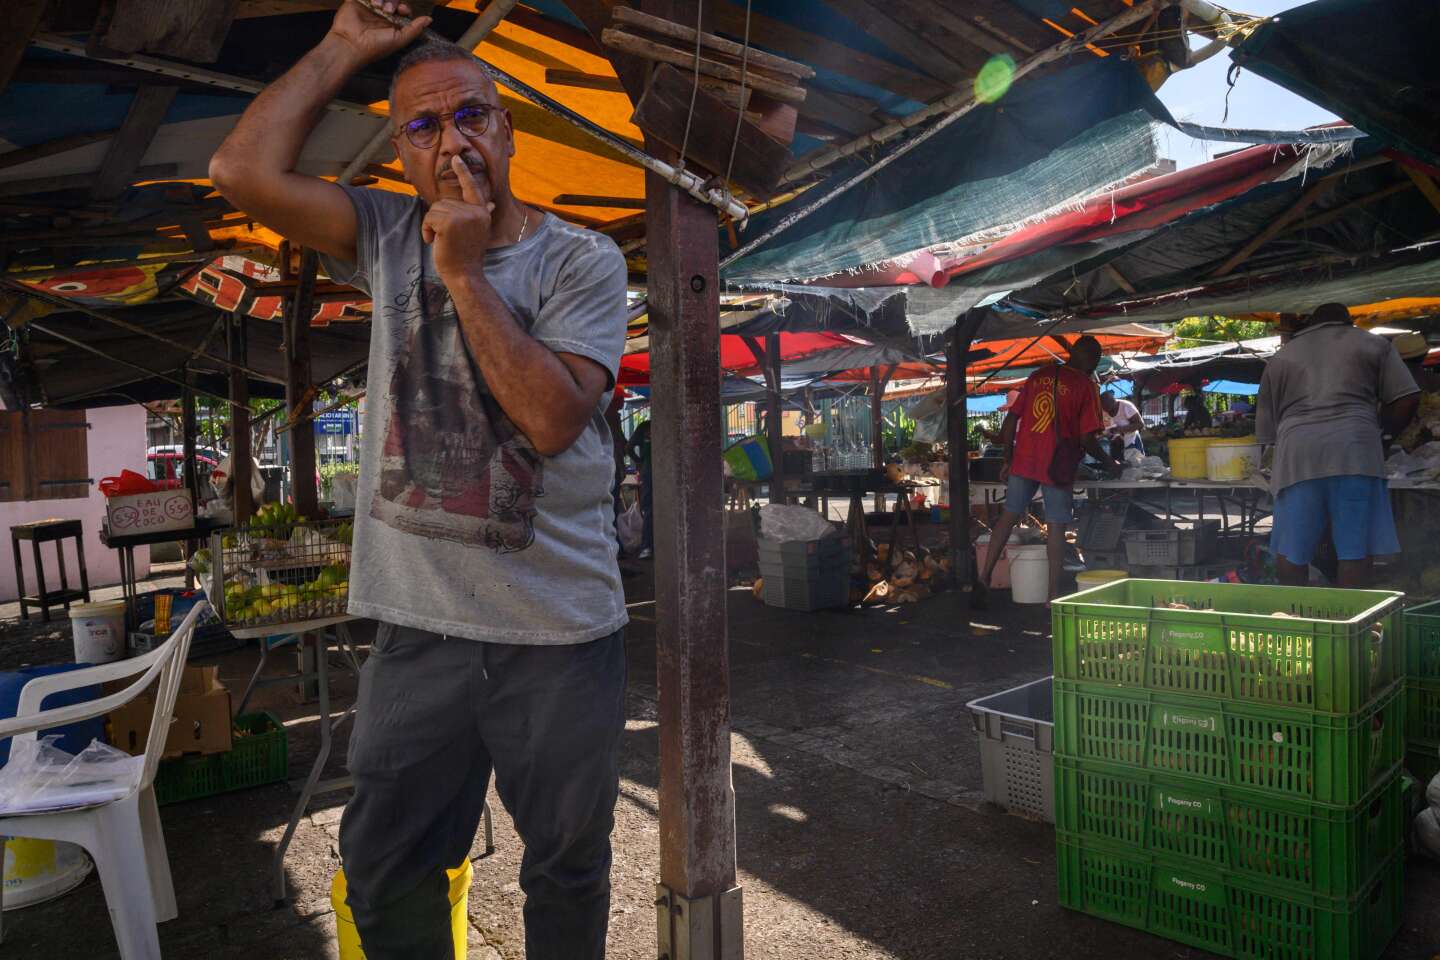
[473,121]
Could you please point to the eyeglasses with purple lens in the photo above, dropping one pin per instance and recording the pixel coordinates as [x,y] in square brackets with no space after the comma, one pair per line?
[472,121]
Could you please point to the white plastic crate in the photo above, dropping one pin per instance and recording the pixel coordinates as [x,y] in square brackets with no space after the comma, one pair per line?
[1016,729]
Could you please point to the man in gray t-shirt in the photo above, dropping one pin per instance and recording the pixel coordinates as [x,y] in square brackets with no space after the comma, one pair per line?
[1324,399]
[484,538]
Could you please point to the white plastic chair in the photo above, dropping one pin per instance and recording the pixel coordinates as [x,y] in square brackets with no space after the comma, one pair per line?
[123,835]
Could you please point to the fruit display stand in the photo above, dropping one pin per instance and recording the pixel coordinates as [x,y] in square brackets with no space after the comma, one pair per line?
[280,577]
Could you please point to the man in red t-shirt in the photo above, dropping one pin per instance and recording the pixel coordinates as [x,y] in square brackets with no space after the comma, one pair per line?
[1055,420]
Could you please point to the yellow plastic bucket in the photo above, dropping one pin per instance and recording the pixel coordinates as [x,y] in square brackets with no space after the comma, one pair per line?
[1086,579]
[1236,459]
[1187,458]
[349,937]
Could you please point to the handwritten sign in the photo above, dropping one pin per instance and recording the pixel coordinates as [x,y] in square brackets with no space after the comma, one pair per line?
[156,512]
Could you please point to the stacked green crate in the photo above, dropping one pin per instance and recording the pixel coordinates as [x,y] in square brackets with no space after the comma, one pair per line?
[1227,767]
[1422,690]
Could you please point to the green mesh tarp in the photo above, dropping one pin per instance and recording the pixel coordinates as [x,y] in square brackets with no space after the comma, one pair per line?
[1368,61]
[1047,142]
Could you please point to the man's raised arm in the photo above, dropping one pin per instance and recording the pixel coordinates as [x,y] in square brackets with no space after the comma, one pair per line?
[255,167]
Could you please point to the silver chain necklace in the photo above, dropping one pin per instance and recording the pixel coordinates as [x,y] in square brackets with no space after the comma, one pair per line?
[523,224]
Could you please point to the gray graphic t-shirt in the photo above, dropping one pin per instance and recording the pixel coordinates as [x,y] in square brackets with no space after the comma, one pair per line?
[461,526]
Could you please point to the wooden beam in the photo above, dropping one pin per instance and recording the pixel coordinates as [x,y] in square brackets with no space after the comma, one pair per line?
[1335,213]
[240,456]
[191,30]
[299,388]
[696,794]
[957,424]
[822,52]
[877,423]
[587,200]
[756,59]
[650,50]
[932,13]
[128,146]
[80,181]
[590,81]
[664,112]
[39,151]
[833,112]
[1425,184]
[1275,227]
[883,24]
[22,19]
[1120,279]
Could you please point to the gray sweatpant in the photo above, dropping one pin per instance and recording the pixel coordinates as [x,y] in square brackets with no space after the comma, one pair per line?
[435,715]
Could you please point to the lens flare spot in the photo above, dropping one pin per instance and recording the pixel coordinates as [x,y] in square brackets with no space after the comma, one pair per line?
[994,79]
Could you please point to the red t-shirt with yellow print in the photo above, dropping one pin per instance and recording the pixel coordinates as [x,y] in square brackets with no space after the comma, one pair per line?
[1079,414]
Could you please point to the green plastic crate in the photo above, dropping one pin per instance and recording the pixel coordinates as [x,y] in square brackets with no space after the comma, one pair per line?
[259,756]
[1335,651]
[1296,846]
[1422,642]
[1315,757]
[1422,711]
[1224,914]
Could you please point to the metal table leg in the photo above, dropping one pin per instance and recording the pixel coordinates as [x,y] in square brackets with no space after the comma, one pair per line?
[313,784]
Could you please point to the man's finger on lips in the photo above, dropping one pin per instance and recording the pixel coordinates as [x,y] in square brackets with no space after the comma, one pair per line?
[468,187]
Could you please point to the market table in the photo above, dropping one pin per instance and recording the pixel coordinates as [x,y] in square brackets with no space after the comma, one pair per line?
[321,632]
[1248,495]
[126,543]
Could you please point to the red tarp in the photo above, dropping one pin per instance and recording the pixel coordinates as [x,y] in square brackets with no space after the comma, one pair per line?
[736,358]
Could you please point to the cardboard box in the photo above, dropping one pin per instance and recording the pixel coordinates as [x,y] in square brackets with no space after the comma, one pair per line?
[132,513]
[202,717]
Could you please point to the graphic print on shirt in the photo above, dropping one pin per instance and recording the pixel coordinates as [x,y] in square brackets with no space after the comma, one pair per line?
[1042,405]
[453,466]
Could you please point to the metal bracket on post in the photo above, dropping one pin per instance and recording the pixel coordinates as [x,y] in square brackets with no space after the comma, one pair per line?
[702,928]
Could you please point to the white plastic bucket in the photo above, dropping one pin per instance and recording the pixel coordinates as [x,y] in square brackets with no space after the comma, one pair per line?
[1029,573]
[1000,577]
[1232,459]
[99,630]
[40,870]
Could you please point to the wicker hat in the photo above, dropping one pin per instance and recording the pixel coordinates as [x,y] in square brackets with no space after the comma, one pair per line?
[1412,346]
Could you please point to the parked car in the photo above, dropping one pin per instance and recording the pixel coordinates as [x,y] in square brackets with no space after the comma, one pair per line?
[166,467]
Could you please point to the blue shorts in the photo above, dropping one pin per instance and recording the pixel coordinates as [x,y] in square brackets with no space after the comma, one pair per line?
[1355,510]
[1059,501]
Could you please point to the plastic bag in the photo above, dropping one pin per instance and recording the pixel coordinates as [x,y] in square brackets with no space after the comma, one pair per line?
[783,522]
[630,526]
[931,420]
[41,776]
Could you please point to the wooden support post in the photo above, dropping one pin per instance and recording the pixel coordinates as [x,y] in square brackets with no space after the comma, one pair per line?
[128,146]
[877,417]
[240,458]
[698,909]
[299,395]
[189,468]
[774,412]
[957,421]
[191,475]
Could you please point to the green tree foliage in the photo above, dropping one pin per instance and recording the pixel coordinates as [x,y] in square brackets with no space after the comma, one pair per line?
[1203,331]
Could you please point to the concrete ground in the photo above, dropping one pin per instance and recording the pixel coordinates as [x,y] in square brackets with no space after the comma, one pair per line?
[861,826]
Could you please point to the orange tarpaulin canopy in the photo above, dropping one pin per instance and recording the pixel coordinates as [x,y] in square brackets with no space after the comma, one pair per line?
[1027,352]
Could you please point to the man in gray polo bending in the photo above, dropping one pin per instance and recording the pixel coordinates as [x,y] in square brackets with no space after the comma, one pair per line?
[483,527]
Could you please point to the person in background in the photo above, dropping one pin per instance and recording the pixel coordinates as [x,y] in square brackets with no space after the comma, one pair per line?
[1325,400]
[1122,423]
[640,453]
[1055,419]
[1197,415]
[1414,349]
